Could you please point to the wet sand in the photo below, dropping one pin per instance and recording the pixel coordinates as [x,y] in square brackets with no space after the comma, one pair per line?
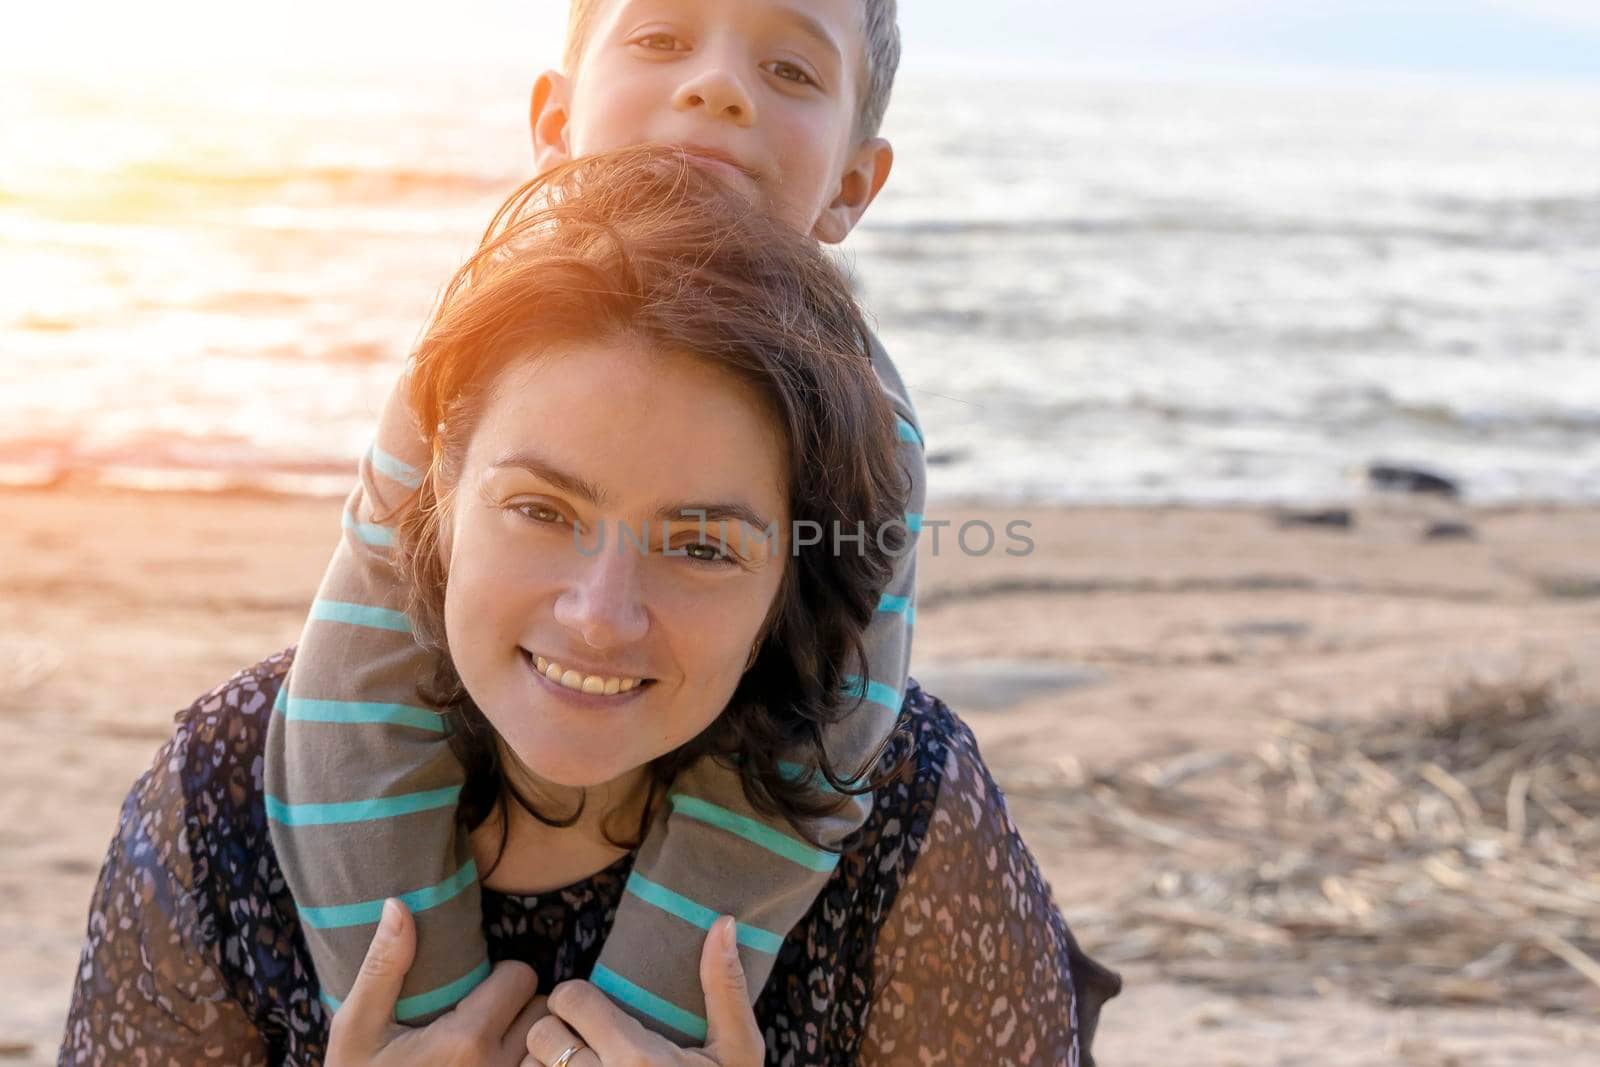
[1125,633]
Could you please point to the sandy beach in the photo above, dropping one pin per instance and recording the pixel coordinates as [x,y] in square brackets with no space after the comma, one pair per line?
[1125,634]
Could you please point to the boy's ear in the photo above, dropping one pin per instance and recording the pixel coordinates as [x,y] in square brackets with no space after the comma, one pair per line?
[864,176]
[547,120]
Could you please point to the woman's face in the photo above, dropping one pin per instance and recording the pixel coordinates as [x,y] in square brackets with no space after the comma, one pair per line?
[581,455]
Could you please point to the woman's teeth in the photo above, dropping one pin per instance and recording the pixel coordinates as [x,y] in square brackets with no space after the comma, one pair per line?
[593,684]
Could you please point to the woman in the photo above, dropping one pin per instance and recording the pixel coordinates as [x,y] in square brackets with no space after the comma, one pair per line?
[636,390]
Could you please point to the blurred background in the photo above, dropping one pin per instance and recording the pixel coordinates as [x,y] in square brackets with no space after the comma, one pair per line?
[1217,250]
[1277,320]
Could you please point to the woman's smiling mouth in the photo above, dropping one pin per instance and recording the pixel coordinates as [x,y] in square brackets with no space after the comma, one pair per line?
[580,682]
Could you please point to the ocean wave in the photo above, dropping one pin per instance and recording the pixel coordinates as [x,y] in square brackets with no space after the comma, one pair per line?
[1041,319]
[1546,210]
[176,480]
[1217,225]
[35,323]
[200,463]
[377,180]
[1340,411]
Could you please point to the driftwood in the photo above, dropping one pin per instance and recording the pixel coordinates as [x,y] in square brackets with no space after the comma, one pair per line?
[1452,859]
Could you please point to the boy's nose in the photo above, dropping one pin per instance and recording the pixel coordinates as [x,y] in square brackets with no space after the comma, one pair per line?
[720,92]
[603,603]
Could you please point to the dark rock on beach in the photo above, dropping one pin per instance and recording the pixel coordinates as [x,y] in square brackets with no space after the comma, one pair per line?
[1329,518]
[1393,478]
[1449,531]
[945,457]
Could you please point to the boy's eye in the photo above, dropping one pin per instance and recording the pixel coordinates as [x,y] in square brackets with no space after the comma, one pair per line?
[790,72]
[660,42]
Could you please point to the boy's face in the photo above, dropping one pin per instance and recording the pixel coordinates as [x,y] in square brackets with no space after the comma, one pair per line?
[764,92]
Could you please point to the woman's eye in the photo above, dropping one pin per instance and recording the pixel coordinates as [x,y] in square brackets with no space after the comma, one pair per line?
[703,552]
[540,513]
[790,72]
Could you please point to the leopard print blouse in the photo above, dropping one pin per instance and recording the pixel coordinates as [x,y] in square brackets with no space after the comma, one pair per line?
[935,941]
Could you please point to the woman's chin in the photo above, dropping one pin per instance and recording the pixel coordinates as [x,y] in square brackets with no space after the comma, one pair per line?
[556,761]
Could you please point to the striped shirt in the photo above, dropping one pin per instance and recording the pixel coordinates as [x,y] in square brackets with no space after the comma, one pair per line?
[362,786]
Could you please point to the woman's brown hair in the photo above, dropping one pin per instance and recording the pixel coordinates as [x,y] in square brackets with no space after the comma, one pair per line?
[643,244]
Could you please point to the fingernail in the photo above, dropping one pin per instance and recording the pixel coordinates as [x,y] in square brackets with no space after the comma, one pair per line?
[389,924]
[730,938]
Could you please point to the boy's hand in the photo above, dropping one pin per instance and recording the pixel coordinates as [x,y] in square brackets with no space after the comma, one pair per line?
[489,1028]
[583,1015]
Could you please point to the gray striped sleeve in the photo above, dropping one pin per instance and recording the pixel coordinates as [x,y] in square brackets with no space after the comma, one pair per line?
[361,784]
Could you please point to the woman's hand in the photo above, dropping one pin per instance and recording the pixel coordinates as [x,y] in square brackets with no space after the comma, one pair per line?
[580,1014]
[489,1028]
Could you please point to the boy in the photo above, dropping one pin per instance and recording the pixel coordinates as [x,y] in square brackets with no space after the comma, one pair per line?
[783,99]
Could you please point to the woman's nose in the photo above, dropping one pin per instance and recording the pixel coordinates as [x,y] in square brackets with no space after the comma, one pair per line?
[603,602]
[718,89]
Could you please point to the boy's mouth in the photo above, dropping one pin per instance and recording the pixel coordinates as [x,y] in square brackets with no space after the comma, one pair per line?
[719,161]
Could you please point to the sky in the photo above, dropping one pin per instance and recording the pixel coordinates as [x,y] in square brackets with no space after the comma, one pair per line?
[1517,38]
[1550,38]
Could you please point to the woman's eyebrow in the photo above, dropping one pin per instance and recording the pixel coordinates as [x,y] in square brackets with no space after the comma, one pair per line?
[710,514]
[542,468]
[694,511]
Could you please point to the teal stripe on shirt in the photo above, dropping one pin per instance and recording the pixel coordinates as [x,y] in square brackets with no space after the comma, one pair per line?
[446,996]
[360,615]
[908,432]
[757,833]
[876,692]
[798,773]
[394,469]
[358,713]
[697,914]
[370,911]
[360,810]
[899,605]
[795,772]
[369,533]
[647,1003]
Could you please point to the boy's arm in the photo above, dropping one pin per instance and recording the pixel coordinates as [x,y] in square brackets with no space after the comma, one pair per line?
[361,782]
[710,853]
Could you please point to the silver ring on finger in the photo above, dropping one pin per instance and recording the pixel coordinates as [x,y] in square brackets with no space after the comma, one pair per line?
[566,1057]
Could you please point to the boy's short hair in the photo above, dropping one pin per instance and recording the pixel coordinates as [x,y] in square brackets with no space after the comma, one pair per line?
[881,49]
